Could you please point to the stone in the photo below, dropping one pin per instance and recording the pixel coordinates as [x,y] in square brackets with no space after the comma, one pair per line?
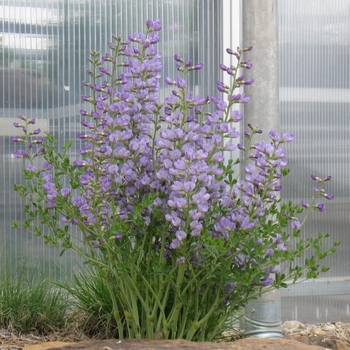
[141,344]
[292,325]
[48,345]
[317,331]
[329,327]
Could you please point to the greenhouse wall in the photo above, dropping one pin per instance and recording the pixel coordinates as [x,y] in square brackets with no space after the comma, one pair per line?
[314,62]
[44,55]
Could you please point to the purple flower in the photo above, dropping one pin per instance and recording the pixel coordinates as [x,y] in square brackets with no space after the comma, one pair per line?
[269,252]
[281,247]
[64,219]
[180,235]
[31,167]
[287,137]
[79,163]
[173,218]
[320,207]
[266,281]
[274,135]
[16,139]
[231,52]
[197,66]
[277,239]
[153,25]
[65,192]
[47,166]
[175,244]
[236,116]
[21,154]
[178,58]
[221,86]
[119,235]
[169,81]
[181,260]
[95,244]
[316,178]
[36,132]
[304,204]
[295,224]
[51,204]
[259,242]
[241,98]
[78,201]
[249,81]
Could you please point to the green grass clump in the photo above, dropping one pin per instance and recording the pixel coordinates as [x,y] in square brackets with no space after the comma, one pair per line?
[31,304]
[92,304]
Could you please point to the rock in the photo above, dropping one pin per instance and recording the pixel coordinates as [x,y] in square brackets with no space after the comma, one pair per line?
[48,345]
[317,331]
[140,344]
[292,325]
[329,327]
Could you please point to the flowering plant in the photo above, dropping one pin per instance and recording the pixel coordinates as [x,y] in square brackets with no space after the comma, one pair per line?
[179,239]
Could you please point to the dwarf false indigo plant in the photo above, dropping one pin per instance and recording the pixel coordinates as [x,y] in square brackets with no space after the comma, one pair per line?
[180,240]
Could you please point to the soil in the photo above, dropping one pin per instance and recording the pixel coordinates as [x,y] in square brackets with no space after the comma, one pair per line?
[335,335]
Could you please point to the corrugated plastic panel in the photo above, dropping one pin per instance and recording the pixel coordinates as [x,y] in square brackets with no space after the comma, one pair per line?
[44,54]
[315,105]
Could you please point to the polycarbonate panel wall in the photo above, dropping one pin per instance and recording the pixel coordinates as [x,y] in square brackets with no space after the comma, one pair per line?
[314,64]
[44,53]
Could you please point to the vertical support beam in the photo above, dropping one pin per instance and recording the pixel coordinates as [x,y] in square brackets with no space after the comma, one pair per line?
[260,30]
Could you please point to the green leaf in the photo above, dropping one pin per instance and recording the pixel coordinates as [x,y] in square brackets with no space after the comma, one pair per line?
[67,145]
[285,171]
[15,224]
